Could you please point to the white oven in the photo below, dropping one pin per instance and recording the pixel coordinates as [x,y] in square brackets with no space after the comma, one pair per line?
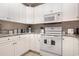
[51,43]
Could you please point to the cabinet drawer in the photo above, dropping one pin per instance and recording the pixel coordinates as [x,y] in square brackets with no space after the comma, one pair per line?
[14,38]
[4,39]
[21,36]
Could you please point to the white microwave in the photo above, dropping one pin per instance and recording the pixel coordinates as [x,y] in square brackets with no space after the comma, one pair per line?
[52,16]
[49,18]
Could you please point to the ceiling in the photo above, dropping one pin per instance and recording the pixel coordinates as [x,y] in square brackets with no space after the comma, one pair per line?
[32,4]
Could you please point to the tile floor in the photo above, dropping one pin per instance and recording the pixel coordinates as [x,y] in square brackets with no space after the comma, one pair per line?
[30,53]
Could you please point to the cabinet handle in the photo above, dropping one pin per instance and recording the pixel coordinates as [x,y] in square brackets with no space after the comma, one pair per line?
[14,43]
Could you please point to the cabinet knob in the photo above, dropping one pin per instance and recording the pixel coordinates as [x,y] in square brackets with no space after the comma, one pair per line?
[8,39]
[19,37]
[63,38]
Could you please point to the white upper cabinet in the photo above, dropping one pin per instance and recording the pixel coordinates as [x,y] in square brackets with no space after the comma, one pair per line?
[70,11]
[22,13]
[38,14]
[14,12]
[17,12]
[3,11]
[29,15]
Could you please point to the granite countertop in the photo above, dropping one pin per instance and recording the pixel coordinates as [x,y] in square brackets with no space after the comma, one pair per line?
[8,35]
[71,35]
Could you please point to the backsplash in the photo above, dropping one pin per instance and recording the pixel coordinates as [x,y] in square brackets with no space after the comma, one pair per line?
[70,25]
[65,26]
[5,25]
[36,28]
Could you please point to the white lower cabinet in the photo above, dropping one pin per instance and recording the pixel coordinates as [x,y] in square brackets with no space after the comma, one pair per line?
[14,45]
[35,43]
[6,49]
[76,46]
[21,46]
[70,46]
[18,45]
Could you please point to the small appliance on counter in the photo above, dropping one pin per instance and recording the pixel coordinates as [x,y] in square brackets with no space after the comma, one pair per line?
[29,29]
[22,30]
[10,32]
[70,31]
[15,31]
[76,31]
[19,31]
[42,30]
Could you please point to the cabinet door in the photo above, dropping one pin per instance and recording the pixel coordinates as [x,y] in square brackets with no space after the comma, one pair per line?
[6,49]
[68,46]
[3,11]
[17,12]
[29,15]
[76,46]
[70,11]
[21,46]
[25,39]
[35,43]
[14,12]
[39,14]
[31,41]
[22,13]
[27,42]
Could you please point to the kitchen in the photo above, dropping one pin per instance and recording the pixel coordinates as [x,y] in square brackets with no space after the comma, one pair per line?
[42,29]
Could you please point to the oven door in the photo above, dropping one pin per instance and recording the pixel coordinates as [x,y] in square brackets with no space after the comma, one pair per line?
[55,45]
[51,44]
[44,43]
